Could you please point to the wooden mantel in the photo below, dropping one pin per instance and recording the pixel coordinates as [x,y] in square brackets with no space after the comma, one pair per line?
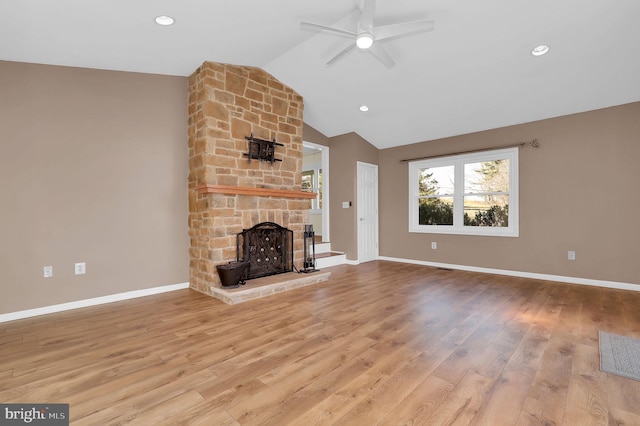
[261,192]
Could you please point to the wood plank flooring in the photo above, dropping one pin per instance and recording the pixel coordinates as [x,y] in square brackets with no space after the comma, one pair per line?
[381,343]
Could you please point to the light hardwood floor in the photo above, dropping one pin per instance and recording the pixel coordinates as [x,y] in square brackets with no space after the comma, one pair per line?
[378,344]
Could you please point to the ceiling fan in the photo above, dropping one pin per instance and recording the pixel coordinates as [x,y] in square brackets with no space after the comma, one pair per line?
[367,35]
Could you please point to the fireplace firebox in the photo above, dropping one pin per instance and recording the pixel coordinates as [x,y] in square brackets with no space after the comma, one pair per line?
[268,247]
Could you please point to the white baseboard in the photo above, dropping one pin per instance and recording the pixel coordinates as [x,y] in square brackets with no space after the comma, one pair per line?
[12,316]
[546,277]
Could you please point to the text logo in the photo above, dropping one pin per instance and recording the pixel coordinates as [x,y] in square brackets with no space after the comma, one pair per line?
[34,414]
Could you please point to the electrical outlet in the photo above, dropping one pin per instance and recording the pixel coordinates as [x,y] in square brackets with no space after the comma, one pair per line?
[571,255]
[434,245]
[47,271]
[81,268]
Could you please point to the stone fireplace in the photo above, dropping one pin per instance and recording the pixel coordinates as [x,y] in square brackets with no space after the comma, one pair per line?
[227,192]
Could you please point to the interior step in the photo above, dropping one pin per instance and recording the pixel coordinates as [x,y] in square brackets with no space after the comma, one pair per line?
[331,258]
[323,248]
[325,257]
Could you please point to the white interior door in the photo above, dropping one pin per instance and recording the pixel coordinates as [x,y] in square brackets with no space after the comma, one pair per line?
[367,210]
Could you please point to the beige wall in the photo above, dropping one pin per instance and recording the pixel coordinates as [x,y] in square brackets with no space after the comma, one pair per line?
[344,153]
[578,191]
[312,135]
[93,166]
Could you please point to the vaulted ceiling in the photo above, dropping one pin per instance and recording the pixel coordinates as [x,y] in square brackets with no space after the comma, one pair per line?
[474,72]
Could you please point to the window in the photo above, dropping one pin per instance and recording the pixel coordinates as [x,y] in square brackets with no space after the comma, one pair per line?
[312,182]
[473,194]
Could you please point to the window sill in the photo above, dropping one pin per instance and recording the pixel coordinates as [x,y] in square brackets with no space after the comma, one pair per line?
[473,231]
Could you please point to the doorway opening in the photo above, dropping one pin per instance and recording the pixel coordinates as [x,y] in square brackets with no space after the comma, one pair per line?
[315,178]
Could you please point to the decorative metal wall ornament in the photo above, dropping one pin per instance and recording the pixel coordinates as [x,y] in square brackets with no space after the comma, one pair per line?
[262,149]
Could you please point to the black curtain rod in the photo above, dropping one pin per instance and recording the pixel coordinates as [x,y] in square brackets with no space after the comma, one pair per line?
[534,143]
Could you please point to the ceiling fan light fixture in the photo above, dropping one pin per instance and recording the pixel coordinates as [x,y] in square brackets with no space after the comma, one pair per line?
[364,108]
[364,40]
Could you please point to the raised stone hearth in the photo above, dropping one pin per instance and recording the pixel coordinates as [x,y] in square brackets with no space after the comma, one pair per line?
[227,192]
[268,286]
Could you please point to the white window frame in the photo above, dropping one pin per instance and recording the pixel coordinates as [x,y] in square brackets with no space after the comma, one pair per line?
[458,161]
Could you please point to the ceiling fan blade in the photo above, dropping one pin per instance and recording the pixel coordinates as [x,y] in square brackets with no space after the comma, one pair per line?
[366,18]
[327,28]
[378,51]
[340,54]
[402,29]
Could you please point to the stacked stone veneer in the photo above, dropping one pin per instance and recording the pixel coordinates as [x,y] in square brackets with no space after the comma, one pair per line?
[226,104]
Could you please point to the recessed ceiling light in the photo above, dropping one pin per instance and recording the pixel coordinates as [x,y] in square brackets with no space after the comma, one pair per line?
[364,108]
[165,20]
[540,50]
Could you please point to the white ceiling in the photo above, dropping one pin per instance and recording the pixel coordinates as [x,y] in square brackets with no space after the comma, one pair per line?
[473,72]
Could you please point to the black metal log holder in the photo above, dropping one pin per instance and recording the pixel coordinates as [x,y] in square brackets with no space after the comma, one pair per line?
[233,274]
[309,264]
[262,149]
